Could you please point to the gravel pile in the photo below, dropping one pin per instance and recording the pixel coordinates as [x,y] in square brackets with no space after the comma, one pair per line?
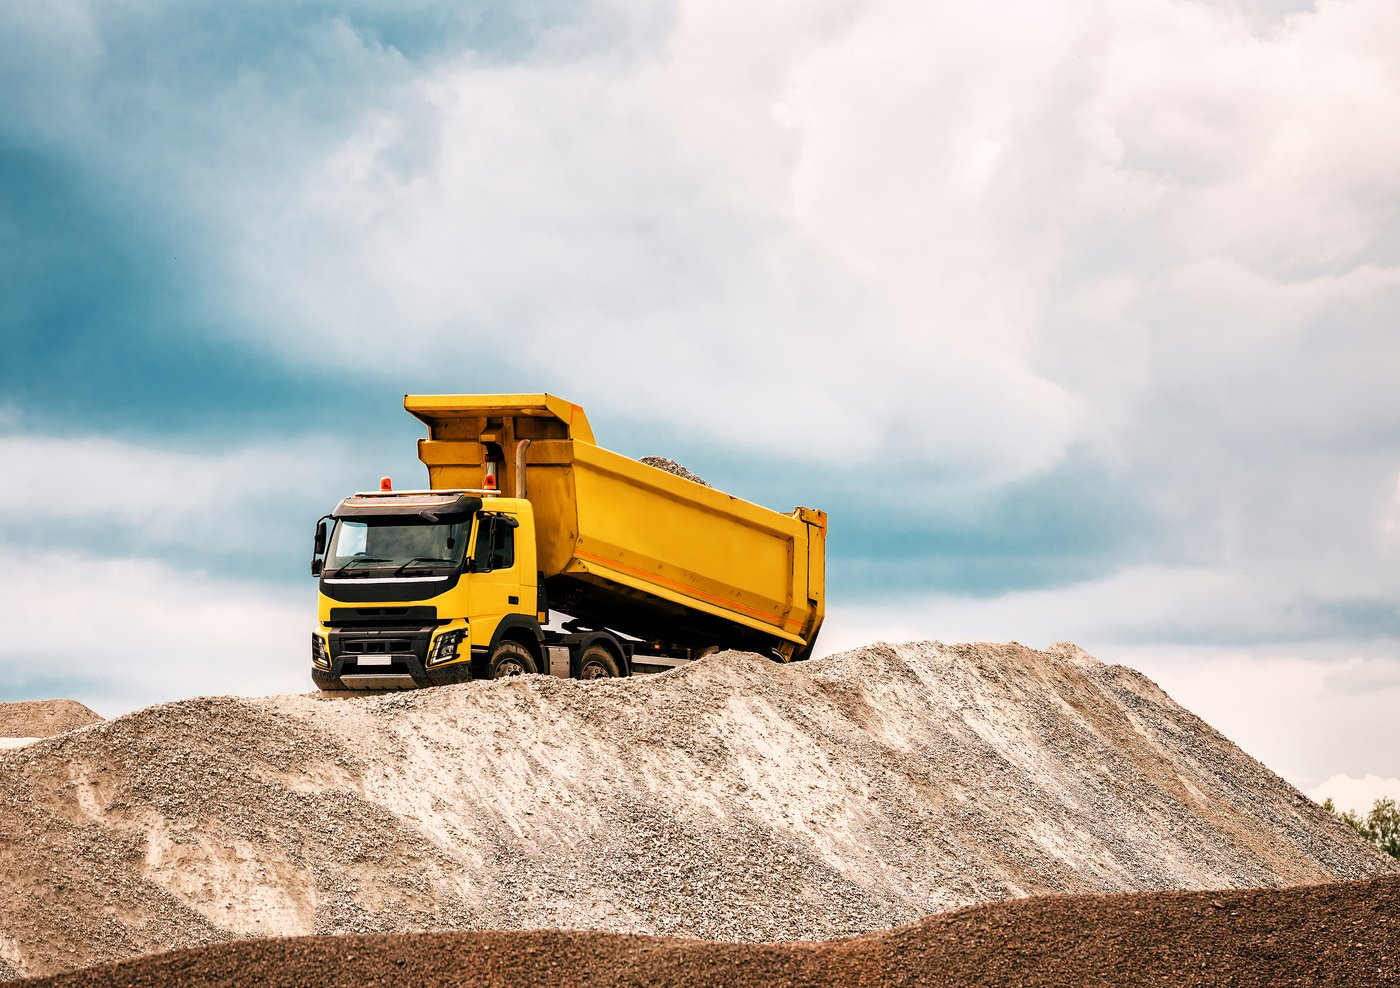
[733,799]
[1347,935]
[43,718]
[671,466]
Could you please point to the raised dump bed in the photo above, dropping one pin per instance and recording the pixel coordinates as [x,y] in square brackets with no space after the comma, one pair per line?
[630,547]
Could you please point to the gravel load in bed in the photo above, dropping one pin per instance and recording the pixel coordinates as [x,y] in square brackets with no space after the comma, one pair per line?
[733,799]
[671,466]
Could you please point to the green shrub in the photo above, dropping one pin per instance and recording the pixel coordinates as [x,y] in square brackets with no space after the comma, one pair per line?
[1381,826]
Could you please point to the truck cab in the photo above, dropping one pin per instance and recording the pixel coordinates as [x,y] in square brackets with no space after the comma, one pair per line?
[418,588]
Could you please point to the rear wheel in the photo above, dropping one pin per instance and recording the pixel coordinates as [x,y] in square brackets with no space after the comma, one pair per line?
[597,662]
[512,659]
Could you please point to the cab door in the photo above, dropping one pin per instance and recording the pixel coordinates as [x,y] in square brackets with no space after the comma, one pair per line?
[502,573]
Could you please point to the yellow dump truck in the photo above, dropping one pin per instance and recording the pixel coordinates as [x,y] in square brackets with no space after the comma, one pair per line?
[536,550]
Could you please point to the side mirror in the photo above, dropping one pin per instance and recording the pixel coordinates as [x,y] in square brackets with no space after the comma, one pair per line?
[318,549]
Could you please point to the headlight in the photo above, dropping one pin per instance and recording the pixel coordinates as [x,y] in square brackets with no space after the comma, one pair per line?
[445,648]
[319,655]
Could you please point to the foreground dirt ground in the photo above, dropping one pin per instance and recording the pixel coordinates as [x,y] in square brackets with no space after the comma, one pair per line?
[1338,934]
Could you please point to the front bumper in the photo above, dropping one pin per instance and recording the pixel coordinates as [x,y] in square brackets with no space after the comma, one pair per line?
[382,659]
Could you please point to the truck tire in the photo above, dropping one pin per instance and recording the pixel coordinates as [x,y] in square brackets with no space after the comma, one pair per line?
[512,659]
[597,662]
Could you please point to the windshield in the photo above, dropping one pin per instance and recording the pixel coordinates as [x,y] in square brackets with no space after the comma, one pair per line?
[395,546]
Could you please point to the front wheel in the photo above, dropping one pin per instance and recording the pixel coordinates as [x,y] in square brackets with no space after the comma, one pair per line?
[597,662]
[512,659]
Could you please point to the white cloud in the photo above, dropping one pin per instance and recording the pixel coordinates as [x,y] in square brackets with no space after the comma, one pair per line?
[974,236]
[123,633]
[1283,705]
[1364,676]
[751,229]
[1357,795]
[1390,520]
[1156,605]
[155,497]
[150,488]
[138,573]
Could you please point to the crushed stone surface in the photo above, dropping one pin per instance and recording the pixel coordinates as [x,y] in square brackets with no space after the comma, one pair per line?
[671,466]
[732,799]
[1345,935]
[30,719]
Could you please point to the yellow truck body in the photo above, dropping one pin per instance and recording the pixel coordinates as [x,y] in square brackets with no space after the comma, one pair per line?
[652,569]
[630,545]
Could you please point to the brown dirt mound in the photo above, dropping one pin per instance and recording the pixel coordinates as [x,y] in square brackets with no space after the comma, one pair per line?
[43,718]
[734,799]
[1340,934]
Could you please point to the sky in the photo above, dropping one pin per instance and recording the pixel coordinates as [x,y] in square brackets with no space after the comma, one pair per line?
[1078,318]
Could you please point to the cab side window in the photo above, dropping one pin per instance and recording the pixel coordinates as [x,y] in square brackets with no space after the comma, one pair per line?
[495,545]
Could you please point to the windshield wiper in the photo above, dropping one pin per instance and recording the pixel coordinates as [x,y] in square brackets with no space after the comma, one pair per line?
[422,559]
[340,570]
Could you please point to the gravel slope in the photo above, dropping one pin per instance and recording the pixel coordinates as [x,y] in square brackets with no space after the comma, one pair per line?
[734,799]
